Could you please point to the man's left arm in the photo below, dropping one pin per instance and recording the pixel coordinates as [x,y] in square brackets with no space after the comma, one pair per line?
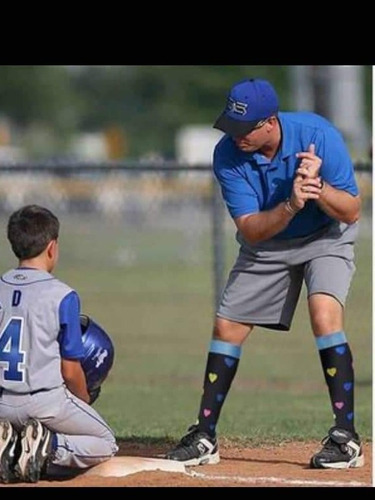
[339,204]
[339,196]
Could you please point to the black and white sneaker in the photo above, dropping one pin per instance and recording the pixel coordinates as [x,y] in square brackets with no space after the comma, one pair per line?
[195,448]
[8,440]
[36,448]
[341,450]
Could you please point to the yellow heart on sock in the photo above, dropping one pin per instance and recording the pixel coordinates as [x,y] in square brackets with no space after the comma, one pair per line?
[331,371]
[212,377]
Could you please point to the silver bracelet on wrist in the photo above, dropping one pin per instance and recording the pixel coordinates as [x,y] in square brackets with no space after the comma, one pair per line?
[289,207]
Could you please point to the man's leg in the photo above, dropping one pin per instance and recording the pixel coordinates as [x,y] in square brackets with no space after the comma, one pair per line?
[342,448]
[222,363]
[199,445]
[262,289]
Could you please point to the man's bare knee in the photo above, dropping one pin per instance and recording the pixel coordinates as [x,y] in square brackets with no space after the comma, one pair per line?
[231,331]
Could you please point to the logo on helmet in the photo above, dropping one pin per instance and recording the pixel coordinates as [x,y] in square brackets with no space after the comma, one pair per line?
[98,352]
[100,356]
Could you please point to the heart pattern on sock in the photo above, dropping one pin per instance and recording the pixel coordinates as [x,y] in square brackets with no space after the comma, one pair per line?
[229,362]
[332,371]
[340,349]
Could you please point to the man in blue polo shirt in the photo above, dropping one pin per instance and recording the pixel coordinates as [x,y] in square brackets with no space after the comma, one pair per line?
[288,182]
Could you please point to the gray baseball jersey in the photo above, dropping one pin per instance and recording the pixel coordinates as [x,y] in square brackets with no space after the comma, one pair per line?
[30,357]
[39,325]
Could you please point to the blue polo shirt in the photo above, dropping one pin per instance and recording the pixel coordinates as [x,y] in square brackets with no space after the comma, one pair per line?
[251,183]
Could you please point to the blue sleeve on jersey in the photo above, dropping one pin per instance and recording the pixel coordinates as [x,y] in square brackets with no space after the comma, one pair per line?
[70,335]
[238,194]
[337,167]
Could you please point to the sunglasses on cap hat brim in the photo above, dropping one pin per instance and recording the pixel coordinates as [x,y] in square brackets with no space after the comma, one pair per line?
[236,127]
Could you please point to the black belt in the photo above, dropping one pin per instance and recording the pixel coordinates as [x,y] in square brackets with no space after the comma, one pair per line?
[22,393]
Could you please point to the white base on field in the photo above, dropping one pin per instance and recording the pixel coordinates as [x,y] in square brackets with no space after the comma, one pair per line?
[123,466]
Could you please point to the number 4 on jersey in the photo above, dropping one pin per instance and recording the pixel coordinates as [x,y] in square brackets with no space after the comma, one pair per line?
[10,350]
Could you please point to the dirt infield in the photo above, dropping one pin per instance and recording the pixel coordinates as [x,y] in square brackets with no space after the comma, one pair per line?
[284,465]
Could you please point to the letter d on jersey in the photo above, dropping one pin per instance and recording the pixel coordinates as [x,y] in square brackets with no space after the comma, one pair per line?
[16,298]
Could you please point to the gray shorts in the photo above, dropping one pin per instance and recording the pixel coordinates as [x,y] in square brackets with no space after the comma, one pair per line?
[265,282]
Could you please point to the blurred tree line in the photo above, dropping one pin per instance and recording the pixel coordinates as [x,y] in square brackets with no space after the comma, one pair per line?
[148,103]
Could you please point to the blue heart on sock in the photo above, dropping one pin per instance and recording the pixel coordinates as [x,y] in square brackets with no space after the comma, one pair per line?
[340,349]
[348,386]
[212,427]
[219,397]
[350,416]
[229,362]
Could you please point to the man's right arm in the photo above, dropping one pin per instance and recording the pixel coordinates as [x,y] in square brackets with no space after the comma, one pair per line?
[264,225]
[241,199]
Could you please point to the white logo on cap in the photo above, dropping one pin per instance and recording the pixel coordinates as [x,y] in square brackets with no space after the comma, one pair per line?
[236,106]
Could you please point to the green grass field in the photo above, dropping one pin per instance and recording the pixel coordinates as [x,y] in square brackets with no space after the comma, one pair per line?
[157,304]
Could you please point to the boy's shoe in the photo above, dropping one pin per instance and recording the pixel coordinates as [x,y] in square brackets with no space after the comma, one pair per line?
[36,448]
[341,449]
[195,448]
[8,440]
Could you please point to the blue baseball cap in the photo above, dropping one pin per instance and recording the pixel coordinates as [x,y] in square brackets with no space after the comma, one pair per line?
[249,101]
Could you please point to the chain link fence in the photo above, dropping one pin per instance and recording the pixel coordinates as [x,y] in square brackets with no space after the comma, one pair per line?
[137,215]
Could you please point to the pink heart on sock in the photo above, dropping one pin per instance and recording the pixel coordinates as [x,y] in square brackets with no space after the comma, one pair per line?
[339,405]
[206,412]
